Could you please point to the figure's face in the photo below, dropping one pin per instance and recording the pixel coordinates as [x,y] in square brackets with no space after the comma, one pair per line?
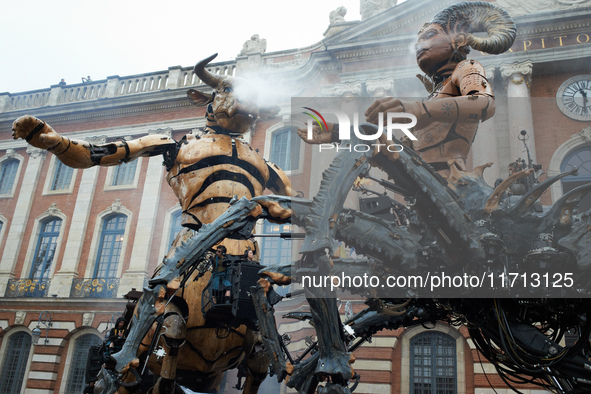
[233,109]
[120,325]
[433,47]
[250,254]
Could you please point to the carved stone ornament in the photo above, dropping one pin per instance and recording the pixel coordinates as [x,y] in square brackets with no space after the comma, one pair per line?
[19,317]
[385,84]
[489,71]
[584,134]
[116,206]
[337,16]
[53,210]
[87,319]
[254,45]
[347,88]
[517,73]
[35,153]
[10,153]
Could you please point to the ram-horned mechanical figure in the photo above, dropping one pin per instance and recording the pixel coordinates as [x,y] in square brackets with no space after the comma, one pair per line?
[460,225]
[207,173]
[460,95]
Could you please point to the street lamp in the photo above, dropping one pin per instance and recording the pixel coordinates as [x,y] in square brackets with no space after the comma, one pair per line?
[45,319]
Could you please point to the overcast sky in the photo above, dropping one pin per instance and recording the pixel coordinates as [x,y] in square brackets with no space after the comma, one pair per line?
[44,41]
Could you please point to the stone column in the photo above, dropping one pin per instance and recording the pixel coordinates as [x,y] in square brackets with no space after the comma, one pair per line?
[518,79]
[61,282]
[21,215]
[484,147]
[144,232]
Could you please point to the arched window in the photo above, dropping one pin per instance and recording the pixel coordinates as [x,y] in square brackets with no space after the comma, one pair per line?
[111,242]
[45,249]
[580,158]
[15,363]
[77,373]
[175,225]
[7,175]
[433,363]
[275,250]
[62,176]
[124,174]
[285,149]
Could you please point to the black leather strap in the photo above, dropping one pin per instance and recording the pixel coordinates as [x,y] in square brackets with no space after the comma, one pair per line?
[35,131]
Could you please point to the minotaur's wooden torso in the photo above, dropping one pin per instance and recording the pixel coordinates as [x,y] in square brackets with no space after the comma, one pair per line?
[212,169]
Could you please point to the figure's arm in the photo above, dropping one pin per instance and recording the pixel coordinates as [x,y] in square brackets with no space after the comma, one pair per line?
[81,154]
[278,182]
[476,103]
[320,136]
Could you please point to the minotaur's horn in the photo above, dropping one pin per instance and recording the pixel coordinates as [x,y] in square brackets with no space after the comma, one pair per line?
[479,16]
[204,75]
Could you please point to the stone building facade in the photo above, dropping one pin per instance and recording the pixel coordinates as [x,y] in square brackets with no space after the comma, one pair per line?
[72,243]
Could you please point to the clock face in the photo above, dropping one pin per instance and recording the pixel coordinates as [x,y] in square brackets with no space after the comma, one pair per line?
[574,97]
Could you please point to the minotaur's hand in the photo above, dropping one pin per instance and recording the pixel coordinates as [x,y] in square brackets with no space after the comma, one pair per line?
[389,105]
[38,133]
[318,136]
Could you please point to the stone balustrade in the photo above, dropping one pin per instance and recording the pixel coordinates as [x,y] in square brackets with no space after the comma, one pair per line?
[114,86]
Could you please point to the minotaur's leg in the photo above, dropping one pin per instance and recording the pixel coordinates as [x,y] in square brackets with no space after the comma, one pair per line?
[239,218]
[153,301]
[150,305]
[256,370]
[174,330]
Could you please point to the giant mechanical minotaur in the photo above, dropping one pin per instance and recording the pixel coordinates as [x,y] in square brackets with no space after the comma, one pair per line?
[206,173]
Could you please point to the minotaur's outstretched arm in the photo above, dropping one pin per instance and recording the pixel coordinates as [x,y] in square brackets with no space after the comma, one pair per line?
[81,154]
